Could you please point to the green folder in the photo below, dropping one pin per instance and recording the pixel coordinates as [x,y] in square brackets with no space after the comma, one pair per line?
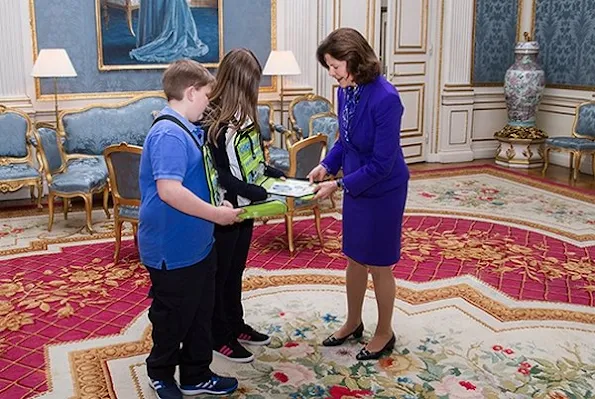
[261,209]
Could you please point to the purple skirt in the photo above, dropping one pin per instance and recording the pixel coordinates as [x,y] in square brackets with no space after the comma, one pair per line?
[372,227]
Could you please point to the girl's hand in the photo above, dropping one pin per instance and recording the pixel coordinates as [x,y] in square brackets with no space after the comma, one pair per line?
[317,174]
[325,189]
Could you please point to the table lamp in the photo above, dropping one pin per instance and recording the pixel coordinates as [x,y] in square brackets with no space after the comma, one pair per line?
[281,63]
[53,63]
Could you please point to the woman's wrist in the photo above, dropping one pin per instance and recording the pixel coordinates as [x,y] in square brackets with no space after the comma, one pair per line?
[325,166]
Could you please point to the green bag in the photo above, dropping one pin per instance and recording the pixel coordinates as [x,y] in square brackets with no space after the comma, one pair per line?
[267,208]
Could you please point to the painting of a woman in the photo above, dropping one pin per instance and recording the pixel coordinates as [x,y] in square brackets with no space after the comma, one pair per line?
[166,32]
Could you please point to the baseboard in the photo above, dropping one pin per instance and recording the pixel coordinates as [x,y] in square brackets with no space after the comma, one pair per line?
[484,153]
[455,156]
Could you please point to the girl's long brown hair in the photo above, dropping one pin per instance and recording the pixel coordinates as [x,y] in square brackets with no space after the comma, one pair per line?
[234,97]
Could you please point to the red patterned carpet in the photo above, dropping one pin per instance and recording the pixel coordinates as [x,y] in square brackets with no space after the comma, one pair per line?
[528,239]
[79,294]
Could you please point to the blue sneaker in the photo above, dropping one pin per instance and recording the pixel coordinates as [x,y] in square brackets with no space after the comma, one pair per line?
[165,390]
[215,386]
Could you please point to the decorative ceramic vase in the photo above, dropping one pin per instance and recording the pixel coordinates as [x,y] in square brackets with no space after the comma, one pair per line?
[520,141]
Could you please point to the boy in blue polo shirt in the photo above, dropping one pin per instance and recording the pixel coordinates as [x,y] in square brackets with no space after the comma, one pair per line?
[175,238]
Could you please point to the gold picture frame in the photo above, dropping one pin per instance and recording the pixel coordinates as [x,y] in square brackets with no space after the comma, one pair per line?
[272,88]
[102,7]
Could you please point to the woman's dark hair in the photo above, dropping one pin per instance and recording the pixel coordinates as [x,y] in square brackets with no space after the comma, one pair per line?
[347,44]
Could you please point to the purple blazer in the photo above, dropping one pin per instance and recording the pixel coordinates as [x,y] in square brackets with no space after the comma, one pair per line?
[372,159]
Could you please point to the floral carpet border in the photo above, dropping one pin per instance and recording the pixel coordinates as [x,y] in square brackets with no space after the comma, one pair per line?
[492,218]
[533,181]
[92,380]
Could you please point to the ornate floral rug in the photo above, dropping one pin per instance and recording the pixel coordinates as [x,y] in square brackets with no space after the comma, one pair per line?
[447,347]
[513,249]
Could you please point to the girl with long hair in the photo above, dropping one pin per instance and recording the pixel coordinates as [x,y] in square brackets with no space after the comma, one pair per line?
[234,137]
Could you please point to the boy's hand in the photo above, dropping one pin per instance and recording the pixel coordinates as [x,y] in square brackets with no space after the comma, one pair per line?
[227,204]
[227,215]
[317,174]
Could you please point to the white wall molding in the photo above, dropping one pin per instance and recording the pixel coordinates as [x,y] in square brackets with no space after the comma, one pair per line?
[457,95]
[297,31]
[15,46]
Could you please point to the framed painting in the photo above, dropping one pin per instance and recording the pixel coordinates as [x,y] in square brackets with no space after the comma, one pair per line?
[150,34]
[233,23]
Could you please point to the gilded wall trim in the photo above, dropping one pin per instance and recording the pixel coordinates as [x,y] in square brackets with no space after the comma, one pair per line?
[123,94]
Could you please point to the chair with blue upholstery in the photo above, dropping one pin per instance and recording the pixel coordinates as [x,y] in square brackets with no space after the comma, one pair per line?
[325,123]
[275,156]
[123,163]
[302,108]
[17,167]
[581,142]
[79,177]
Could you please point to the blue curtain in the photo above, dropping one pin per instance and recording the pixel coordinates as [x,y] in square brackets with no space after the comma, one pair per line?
[166,32]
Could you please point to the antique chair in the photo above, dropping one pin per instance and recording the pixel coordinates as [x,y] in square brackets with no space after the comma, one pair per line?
[325,123]
[301,109]
[581,142]
[69,178]
[17,168]
[303,157]
[275,156]
[123,162]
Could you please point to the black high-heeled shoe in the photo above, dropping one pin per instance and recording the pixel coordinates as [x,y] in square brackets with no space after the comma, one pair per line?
[333,341]
[365,354]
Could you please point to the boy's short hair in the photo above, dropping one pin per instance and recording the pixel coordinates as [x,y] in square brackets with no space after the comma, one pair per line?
[183,74]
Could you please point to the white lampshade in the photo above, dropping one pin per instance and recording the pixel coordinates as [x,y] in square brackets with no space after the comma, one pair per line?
[53,63]
[281,63]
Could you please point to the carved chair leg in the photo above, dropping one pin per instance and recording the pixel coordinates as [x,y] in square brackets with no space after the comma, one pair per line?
[546,160]
[32,193]
[39,194]
[118,228]
[289,230]
[135,233]
[317,223]
[333,201]
[105,201]
[51,210]
[577,164]
[65,206]
[88,210]
[571,163]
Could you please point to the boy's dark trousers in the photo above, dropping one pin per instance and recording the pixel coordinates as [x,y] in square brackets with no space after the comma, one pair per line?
[232,243]
[181,312]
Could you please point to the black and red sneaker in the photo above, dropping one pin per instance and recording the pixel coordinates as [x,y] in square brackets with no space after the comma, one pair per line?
[235,352]
[250,336]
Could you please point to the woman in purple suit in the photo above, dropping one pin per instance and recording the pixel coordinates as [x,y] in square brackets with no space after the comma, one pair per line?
[374,183]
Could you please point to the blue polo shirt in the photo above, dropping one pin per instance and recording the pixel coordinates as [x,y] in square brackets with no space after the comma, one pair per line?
[167,236]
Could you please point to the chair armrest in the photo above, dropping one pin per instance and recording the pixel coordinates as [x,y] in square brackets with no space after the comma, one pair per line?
[278,128]
[290,137]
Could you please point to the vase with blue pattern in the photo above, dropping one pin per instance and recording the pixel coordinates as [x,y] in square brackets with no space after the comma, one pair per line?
[524,82]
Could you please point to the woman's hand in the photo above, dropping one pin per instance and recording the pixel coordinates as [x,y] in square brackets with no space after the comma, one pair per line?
[317,174]
[325,189]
